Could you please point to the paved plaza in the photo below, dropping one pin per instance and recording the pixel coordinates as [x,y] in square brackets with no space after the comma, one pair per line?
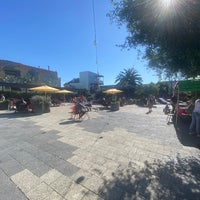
[122,155]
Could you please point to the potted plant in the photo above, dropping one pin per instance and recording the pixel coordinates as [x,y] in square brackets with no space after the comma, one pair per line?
[114,106]
[41,104]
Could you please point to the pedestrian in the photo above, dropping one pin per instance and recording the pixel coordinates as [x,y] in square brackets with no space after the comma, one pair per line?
[195,124]
[173,101]
[150,103]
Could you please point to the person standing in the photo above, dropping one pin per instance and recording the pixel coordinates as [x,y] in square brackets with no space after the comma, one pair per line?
[195,124]
[150,103]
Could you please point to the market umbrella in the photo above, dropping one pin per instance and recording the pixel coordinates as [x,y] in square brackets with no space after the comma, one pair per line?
[112,91]
[45,89]
[64,92]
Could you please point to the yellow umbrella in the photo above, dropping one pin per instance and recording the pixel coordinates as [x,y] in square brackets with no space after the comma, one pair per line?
[44,88]
[64,92]
[112,91]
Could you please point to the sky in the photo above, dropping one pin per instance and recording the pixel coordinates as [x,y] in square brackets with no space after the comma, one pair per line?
[61,33]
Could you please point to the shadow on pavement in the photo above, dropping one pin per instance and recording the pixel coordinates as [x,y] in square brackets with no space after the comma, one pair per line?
[182,131]
[176,179]
[70,122]
[16,115]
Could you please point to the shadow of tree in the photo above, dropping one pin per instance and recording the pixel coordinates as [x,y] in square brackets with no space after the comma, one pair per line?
[17,115]
[177,179]
[182,132]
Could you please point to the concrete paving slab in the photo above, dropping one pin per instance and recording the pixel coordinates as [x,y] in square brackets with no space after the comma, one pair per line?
[113,155]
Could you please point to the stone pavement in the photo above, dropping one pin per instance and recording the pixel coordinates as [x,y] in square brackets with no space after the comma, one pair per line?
[120,155]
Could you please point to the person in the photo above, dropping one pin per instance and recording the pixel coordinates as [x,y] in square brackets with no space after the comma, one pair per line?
[105,103]
[80,109]
[150,103]
[3,97]
[166,109]
[173,101]
[21,105]
[195,123]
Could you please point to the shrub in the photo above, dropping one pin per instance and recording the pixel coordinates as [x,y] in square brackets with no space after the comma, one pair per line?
[41,103]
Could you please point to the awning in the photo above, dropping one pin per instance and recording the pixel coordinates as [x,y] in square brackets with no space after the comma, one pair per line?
[189,85]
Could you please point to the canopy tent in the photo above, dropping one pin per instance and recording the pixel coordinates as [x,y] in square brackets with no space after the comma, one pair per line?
[189,85]
[186,86]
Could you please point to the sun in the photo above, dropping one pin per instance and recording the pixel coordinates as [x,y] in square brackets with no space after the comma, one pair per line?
[166,3]
[168,6]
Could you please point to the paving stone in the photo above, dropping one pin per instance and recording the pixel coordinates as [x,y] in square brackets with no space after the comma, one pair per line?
[26,180]
[107,157]
[8,190]
[54,196]
[76,192]
[40,192]
[66,168]
[37,167]
[50,176]
[91,196]
[62,185]
[22,156]
[10,166]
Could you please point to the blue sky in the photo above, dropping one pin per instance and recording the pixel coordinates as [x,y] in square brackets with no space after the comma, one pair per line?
[60,34]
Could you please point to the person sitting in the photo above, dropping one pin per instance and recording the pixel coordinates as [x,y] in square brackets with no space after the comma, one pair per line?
[80,109]
[88,105]
[105,103]
[3,97]
[21,105]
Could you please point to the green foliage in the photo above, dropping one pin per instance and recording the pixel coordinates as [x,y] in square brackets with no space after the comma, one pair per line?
[37,99]
[169,33]
[128,81]
[41,103]
[83,92]
[16,94]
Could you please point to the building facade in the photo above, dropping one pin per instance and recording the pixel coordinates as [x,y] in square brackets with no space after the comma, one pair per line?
[12,73]
[87,80]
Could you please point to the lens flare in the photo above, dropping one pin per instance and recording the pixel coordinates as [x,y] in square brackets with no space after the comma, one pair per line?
[167,3]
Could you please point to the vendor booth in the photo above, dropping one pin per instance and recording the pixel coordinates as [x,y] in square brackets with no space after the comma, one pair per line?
[186,86]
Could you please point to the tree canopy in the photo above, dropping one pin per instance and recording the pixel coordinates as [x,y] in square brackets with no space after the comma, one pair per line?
[168,29]
[128,80]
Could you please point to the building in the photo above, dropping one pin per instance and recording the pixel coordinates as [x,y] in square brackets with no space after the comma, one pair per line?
[87,80]
[14,75]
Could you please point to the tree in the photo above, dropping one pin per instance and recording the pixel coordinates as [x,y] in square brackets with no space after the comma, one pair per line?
[168,29]
[128,80]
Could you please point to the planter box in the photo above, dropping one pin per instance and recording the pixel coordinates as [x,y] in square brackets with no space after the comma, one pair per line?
[4,105]
[41,109]
[114,106]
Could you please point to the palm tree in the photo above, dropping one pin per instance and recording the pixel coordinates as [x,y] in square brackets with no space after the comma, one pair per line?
[128,80]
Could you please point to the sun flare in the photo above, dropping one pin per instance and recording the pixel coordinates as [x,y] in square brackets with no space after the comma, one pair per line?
[167,3]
